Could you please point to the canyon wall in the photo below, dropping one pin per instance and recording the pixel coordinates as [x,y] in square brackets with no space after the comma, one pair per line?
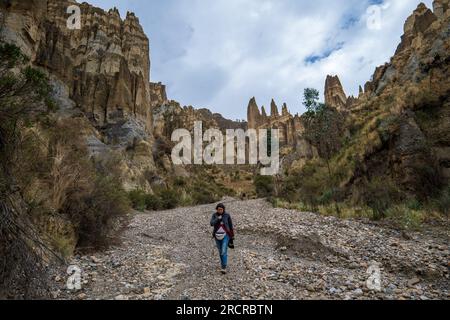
[105,64]
[100,74]
[399,124]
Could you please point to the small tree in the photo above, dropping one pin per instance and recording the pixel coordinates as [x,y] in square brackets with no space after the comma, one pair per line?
[323,129]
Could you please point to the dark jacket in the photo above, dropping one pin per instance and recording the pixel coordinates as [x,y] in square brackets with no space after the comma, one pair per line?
[215,222]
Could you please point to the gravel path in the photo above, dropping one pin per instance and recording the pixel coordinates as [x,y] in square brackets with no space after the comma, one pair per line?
[280,254]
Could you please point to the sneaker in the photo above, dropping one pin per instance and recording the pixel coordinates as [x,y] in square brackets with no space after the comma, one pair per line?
[224,271]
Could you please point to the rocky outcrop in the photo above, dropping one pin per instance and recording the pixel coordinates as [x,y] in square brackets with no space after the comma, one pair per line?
[440,7]
[254,117]
[106,63]
[104,66]
[21,24]
[417,23]
[274,110]
[158,94]
[222,123]
[334,93]
[111,80]
[289,126]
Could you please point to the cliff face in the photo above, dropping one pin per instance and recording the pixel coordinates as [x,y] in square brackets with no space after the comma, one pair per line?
[158,94]
[99,72]
[425,40]
[404,111]
[105,64]
[399,125]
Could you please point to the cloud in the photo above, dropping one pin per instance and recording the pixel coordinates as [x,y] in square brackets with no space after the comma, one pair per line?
[218,54]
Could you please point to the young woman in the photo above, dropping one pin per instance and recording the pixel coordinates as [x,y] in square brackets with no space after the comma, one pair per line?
[223,233]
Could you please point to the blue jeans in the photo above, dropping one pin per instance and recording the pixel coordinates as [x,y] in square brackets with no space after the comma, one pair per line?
[222,245]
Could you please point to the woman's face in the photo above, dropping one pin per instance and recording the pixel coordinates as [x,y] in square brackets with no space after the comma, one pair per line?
[220,211]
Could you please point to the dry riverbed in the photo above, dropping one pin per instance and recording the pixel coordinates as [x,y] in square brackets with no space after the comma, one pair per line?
[280,254]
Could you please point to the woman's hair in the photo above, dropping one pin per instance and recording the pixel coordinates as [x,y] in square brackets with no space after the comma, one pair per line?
[220,205]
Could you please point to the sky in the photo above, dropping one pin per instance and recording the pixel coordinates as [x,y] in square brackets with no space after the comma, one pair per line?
[218,54]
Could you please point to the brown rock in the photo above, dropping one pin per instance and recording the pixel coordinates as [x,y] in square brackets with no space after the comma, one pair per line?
[440,7]
[334,93]
[274,113]
[418,22]
[253,114]
[158,94]
[413,282]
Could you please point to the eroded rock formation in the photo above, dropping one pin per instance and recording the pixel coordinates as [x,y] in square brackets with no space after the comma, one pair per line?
[334,93]
[102,69]
[105,64]
[290,127]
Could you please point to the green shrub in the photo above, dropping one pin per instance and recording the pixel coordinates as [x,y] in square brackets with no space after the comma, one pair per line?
[186,200]
[379,195]
[289,189]
[312,181]
[179,182]
[163,199]
[327,196]
[95,211]
[153,202]
[138,199]
[405,217]
[203,197]
[169,199]
[442,203]
[276,202]
[264,186]
[280,203]
[414,204]
[206,192]
[63,245]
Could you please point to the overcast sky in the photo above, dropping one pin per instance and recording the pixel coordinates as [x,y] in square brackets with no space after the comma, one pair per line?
[219,53]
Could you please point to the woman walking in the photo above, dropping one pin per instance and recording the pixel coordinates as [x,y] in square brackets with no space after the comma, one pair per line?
[223,233]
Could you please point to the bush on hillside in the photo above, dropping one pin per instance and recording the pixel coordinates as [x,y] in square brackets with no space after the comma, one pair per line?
[264,186]
[379,194]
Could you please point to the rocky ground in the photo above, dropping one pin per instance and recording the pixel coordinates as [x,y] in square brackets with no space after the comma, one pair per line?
[280,254]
